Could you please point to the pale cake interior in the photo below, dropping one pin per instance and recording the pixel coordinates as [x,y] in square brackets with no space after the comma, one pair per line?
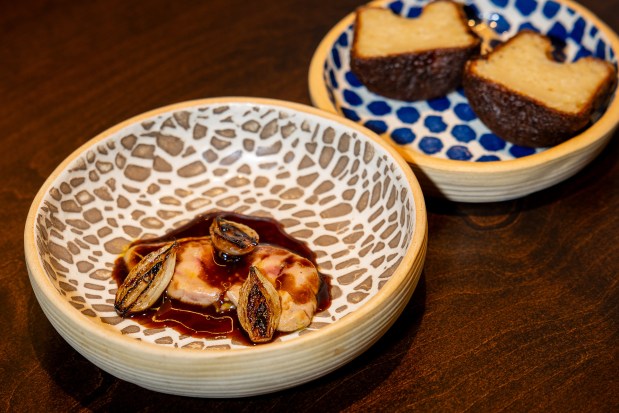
[440,26]
[524,66]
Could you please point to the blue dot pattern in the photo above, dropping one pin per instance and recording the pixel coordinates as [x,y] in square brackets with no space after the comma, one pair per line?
[464,112]
[403,136]
[447,127]
[408,114]
[352,98]
[500,23]
[430,145]
[379,108]
[435,124]
[463,133]
[526,7]
[352,79]
[550,9]
[459,153]
[377,126]
[491,142]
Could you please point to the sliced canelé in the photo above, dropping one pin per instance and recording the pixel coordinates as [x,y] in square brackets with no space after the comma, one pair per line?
[412,58]
[521,93]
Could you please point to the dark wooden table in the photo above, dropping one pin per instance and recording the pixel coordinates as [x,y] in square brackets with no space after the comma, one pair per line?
[518,306]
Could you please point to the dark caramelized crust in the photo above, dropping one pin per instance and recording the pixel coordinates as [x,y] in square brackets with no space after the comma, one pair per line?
[414,76]
[524,120]
[422,71]
[518,118]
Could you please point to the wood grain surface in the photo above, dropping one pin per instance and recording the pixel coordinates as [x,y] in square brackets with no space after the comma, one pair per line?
[518,306]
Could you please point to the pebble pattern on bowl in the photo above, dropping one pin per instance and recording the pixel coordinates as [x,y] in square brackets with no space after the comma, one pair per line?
[447,127]
[327,185]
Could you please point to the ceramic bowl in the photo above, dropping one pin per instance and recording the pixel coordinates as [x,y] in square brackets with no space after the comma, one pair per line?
[333,185]
[453,153]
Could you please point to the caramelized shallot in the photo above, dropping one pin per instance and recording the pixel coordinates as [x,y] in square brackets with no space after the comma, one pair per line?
[147,281]
[259,308]
[232,239]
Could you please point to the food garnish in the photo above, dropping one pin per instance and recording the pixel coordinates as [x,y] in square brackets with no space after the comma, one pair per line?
[146,281]
[230,274]
[259,308]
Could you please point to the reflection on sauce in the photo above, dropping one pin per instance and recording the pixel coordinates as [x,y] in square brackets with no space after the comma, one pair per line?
[208,322]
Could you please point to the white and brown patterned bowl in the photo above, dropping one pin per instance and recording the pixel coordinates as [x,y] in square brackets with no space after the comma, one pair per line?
[333,184]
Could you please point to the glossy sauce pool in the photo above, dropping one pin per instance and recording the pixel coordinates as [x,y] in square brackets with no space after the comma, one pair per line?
[208,322]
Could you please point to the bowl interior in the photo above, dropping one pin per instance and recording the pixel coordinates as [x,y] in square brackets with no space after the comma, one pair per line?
[446,127]
[328,183]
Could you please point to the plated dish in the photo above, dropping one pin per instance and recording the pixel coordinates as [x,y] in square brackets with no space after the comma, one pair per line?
[332,184]
[452,152]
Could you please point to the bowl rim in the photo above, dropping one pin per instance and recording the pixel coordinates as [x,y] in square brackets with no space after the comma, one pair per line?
[596,132]
[130,345]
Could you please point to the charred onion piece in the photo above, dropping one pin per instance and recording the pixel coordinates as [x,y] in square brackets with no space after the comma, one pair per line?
[259,308]
[231,239]
[146,281]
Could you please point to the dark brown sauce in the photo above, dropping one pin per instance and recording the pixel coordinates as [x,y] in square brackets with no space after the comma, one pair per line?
[207,322]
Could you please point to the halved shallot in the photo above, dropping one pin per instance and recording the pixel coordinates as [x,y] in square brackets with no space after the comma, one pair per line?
[232,239]
[259,308]
[147,281]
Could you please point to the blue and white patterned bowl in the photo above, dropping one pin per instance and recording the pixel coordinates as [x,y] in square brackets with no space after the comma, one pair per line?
[453,153]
